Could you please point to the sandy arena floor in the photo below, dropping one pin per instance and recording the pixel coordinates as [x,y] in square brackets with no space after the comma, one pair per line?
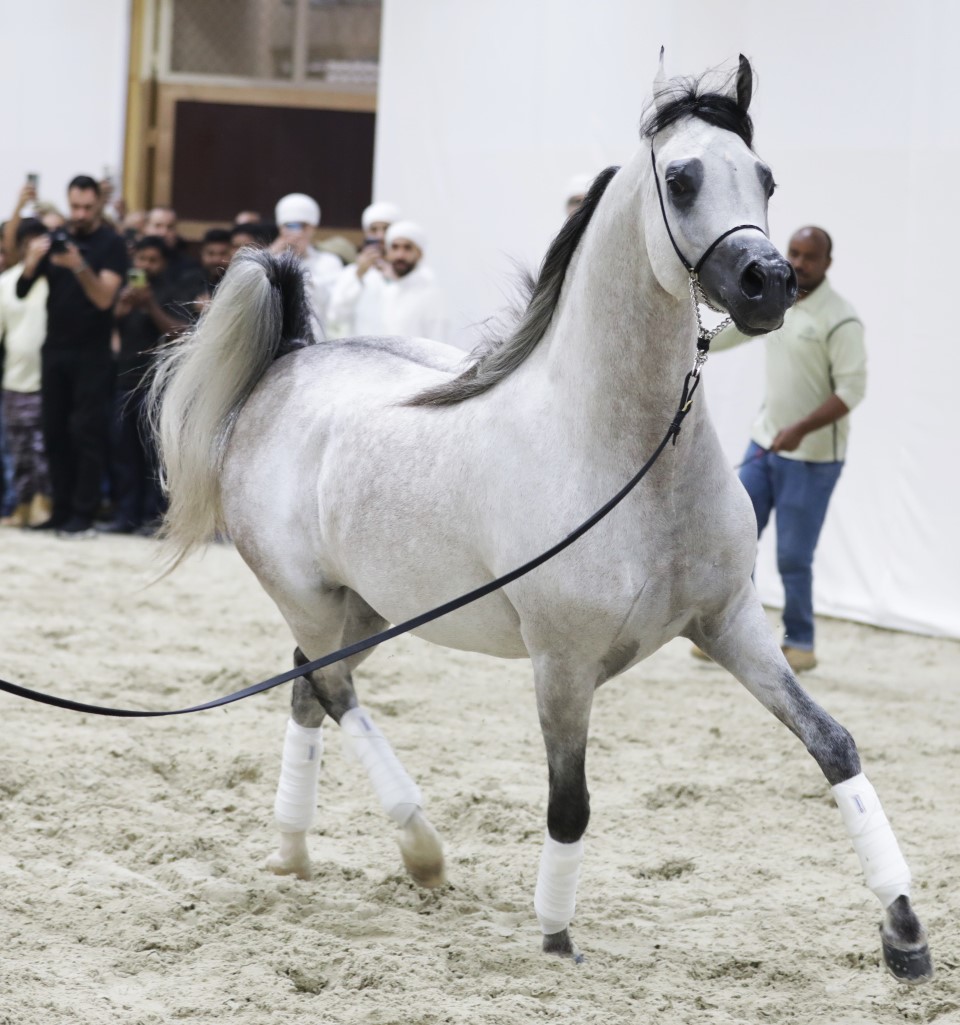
[719,885]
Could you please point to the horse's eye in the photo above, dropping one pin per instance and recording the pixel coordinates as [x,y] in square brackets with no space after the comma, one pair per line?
[683,179]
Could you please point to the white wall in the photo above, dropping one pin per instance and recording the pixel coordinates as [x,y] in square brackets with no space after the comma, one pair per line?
[486,110]
[63,82]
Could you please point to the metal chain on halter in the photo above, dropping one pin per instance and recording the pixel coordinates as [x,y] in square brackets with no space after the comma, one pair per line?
[704,337]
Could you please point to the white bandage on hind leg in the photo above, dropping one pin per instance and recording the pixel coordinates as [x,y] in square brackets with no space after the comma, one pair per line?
[883,865]
[399,796]
[296,801]
[555,899]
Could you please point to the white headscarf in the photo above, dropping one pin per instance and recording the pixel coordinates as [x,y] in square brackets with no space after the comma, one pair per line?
[409,230]
[297,208]
[379,213]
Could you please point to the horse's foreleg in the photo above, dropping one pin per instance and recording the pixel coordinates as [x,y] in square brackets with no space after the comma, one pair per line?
[564,708]
[744,644]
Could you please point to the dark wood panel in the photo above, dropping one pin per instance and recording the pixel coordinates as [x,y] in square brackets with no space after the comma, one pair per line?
[229,157]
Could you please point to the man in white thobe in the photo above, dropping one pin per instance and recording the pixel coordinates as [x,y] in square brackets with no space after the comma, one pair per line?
[408,302]
[356,300]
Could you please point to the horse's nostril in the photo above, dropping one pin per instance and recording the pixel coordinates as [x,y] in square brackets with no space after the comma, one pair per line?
[792,285]
[752,281]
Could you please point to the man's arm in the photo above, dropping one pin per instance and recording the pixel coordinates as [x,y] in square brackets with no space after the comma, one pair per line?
[164,320]
[101,289]
[27,195]
[828,412]
[848,373]
[37,249]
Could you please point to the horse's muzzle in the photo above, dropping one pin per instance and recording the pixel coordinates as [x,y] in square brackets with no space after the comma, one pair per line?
[752,282]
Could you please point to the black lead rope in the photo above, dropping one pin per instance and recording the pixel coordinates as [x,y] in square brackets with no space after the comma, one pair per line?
[690,384]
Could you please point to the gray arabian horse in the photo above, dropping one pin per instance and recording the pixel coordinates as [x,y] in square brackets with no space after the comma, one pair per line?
[367,480]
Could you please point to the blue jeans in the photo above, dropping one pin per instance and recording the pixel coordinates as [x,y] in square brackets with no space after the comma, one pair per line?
[800,492]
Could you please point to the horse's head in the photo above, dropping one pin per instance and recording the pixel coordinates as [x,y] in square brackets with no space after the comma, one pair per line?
[709,208]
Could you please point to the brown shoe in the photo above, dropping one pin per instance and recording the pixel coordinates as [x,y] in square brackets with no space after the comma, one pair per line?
[18,518]
[799,659]
[699,653]
[41,508]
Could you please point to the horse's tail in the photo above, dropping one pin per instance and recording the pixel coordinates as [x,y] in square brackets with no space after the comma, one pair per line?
[202,379]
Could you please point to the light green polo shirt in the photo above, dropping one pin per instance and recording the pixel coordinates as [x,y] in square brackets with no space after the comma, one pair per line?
[818,352]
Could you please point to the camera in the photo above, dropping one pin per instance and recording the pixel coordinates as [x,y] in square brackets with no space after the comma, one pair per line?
[59,240]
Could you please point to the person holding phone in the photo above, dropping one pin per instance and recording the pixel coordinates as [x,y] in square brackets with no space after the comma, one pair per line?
[84,266]
[298,217]
[356,302]
[149,307]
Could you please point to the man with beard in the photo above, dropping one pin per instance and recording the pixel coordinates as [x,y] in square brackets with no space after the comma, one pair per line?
[816,373]
[84,268]
[413,304]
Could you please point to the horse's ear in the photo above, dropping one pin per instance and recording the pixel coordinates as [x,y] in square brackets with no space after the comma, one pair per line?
[660,83]
[744,83]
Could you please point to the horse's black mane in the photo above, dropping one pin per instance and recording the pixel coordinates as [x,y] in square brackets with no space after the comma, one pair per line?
[496,357]
[682,98]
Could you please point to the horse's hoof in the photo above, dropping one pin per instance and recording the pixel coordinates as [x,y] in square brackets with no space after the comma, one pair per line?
[422,851]
[911,965]
[560,945]
[292,859]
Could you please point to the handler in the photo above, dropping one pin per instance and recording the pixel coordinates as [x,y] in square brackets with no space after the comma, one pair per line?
[816,370]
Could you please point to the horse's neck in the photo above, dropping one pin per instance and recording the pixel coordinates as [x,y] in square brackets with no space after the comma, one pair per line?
[620,344]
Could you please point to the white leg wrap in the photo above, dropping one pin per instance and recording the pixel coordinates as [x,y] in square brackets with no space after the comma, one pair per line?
[555,899]
[399,796]
[296,802]
[883,865]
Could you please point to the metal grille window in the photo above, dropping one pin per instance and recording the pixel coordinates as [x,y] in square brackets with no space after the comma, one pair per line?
[301,42]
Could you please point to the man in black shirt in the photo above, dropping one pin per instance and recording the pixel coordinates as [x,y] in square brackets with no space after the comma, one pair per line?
[84,268]
[148,308]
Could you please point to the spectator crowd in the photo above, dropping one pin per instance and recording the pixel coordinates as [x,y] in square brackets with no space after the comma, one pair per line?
[87,295]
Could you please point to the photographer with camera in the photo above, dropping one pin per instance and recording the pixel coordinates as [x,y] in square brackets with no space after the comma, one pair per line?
[84,268]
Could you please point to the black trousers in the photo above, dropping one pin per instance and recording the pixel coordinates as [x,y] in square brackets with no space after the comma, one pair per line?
[77,390]
[137,497]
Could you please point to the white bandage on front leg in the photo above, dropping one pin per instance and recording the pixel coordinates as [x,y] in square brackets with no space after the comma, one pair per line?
[296,802]
[399,796]
[555,899]
[883,865]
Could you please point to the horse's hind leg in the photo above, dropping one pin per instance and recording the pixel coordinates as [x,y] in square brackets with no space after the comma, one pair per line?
[741,641]
[331,692]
